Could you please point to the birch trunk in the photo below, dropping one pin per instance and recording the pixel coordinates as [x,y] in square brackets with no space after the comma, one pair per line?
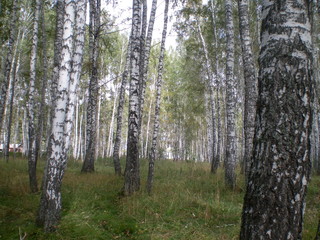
[32,156]
[117,142]
[230,162]
[60,5]
[13,75]
[152,156]
[250,97]
[11,98]
[94,35]
[217,97]
[147,132]
[210,84]
[97,149]
[132,170]
[50,202]
[41,115]
[8,61]
[275,197]
[146,57]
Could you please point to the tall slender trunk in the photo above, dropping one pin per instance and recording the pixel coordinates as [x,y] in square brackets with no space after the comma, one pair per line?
[75,131]
[132,170]
[13,80]
[13,77]
[250,88]
[274,202]
[210,84]
[145,58]
[41,114]
[32,156]
[230,162]
[117,142]
[16,129]
[94,35]
[158,100]
[218,92]
[8,61]
[97,149]
[110,139]
[147,131]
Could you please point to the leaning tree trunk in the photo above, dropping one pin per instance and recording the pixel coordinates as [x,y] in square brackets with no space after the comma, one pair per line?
[152,156]
[50,202]
[94,35]
[210,84]
[13,77]
[132,170]
[32,156]
[230,162]
[8,61]
[275,197]
[250,90]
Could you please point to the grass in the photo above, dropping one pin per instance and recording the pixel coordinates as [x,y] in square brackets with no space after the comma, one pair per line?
[187,203]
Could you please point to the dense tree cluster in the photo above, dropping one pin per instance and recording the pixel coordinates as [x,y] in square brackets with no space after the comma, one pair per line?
[239,89]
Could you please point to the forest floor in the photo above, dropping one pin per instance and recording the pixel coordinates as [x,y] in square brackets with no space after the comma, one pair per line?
[187,203]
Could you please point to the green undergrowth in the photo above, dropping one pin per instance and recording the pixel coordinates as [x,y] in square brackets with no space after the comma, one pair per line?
[187,203]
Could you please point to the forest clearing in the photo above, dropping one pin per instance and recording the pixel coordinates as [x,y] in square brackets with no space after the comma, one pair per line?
[187,203]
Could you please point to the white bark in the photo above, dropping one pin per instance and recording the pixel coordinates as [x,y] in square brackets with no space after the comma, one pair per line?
[230,162]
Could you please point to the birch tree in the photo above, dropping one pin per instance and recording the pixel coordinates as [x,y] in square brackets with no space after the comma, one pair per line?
[275,197]
[132,170]
[158,100]
[117,142]
[32,156]
[145,57]
[250,89]
[41,114]
[71,52]
[94,35]
[8,61]
[230,162]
